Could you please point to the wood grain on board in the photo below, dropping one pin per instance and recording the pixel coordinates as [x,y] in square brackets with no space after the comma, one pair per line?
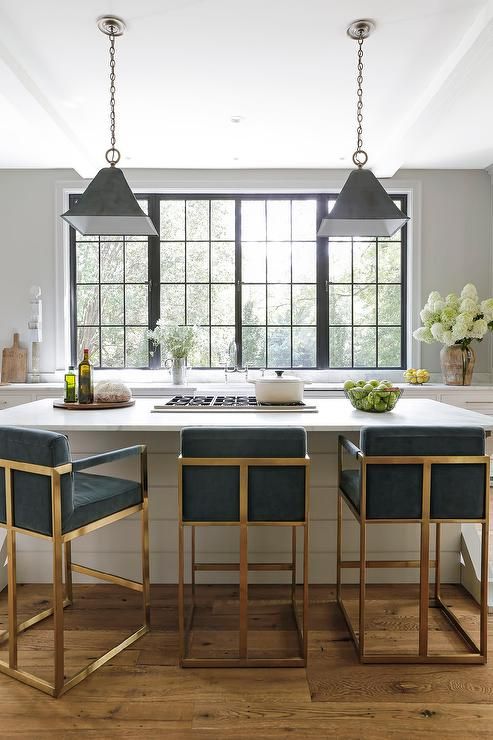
[14,363]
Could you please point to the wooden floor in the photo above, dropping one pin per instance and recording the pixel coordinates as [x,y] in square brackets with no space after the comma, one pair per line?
[143,693]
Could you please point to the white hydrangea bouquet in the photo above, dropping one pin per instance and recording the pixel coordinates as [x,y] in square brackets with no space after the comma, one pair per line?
[455,319]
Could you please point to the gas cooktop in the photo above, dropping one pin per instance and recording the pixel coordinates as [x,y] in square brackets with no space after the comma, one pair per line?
[226,403]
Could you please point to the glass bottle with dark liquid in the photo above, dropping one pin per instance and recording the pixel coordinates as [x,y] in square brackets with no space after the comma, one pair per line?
[86,386]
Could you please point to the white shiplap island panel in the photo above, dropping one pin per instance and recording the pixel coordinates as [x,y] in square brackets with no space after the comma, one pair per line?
[116,548]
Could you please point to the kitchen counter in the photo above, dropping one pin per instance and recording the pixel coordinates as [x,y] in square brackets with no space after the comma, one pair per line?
[116,548]
[334,415]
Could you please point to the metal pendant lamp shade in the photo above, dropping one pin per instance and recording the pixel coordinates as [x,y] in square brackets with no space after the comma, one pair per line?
[363,208]
[108,207]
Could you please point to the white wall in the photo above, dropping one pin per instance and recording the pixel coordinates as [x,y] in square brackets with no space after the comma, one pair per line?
[453,216]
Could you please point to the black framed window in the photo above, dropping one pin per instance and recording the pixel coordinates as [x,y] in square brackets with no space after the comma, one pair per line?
[242,267]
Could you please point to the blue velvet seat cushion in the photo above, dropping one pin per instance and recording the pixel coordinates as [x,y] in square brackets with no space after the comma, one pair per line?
[212,493]
[98,496]
[394,491]
[32,492]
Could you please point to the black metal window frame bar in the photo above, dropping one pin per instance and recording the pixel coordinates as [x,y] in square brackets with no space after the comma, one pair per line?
[322,276]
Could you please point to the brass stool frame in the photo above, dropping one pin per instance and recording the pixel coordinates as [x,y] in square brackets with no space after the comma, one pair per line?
[476,654]
[243,661]
[62,542]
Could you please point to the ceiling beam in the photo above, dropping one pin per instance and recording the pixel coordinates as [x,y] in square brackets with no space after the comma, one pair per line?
[27,97]
[408,132]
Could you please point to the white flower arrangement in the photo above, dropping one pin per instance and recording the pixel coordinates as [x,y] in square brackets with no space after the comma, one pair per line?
[176,339]
[455,319]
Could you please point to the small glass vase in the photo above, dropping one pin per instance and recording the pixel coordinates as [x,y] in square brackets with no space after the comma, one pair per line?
[178,368]
[457,364]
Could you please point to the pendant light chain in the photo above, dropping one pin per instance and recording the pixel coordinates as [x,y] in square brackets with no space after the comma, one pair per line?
[360,157]
[112,155]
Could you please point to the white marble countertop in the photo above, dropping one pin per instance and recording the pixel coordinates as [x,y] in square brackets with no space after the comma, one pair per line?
[334,415]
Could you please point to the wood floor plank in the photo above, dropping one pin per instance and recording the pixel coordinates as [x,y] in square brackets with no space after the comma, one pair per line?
[143,693]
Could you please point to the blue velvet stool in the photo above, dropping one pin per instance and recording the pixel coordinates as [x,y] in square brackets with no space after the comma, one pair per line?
[44,494]
[418,475]
[243,477]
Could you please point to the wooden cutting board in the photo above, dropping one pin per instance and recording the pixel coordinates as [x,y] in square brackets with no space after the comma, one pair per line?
[14,363]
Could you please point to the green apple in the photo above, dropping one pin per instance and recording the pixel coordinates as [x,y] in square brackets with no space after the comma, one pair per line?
[348,385]
[374,383]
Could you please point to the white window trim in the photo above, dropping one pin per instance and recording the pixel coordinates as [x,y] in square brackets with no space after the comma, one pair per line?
[239,182]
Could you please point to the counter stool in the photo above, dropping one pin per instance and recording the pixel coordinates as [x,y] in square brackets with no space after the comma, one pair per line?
[43,494]
[243,477]
[419,475]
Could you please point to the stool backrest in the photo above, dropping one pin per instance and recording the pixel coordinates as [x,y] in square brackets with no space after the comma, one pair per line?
[395,491]
[32,492]
[275,493]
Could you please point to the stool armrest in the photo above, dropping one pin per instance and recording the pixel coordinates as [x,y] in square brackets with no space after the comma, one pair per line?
[107,457]
[350,447]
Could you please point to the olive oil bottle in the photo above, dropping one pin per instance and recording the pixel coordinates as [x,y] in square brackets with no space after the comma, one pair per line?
[86,383]
[70,395]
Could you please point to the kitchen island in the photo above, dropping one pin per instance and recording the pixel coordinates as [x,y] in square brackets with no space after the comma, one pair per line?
[116,548]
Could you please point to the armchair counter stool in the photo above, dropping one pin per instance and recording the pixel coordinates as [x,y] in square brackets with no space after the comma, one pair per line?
[243,477]
[424,476]
[44,494]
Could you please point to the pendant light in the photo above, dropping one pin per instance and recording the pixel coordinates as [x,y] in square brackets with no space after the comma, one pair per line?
[108,206]
[362,208]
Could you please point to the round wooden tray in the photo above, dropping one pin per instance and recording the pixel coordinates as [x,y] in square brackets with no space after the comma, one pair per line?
[93,406]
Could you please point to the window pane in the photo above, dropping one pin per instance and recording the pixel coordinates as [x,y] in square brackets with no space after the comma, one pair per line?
[304,304]
[254,308]
[340,298]
[223,262]
[279,262]
[364,339]
[364,300]
[173,220]
[253,262]
[112,342]
[253,225]
[200,357]
[278,347]
[389,304]
[88,337]
[112,304]
[197,304]
[197,219]
[279,304]
[136,254]
[137,347]
[222,304]
[389,262]
[223,219]
[304,219]
[173,303]
[278,220]
[253,342]
[340,262]
[389,347]
[112,262]
[364,262]
[87,263]
[340,343]
[172,262]
[304,262]
[87,304]
[304,346]
[221,338]
[198,262]
[136,311]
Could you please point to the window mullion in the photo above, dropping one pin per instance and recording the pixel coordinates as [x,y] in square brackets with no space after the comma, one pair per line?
[322,293]
[154,276]
[238,287]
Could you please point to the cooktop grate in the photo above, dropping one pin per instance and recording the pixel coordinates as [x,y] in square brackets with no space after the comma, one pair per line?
[226,403]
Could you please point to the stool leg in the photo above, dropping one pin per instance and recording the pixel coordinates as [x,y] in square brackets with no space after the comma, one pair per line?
[193,565]
[483,628]
[12,597]
[339,546]
[181,592]
[243,562]
[362,587]
[305,591]
[68,572]
[146,597]
[293,566]
[437,559]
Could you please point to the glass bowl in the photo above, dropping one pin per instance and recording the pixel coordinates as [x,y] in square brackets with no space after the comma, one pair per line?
[376,401]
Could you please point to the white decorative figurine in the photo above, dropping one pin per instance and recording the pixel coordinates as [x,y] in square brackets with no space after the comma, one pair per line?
[35,327]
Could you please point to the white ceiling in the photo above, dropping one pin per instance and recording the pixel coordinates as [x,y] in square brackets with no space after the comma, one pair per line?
[286,67]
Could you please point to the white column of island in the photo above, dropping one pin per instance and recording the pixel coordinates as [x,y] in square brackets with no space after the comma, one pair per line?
[116,548]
